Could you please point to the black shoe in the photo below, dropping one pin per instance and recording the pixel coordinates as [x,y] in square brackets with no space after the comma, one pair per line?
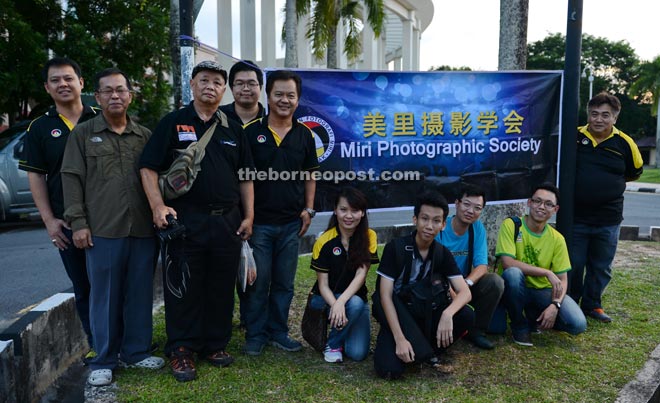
[523,338]
[183,365]
[479,339]
[220,358]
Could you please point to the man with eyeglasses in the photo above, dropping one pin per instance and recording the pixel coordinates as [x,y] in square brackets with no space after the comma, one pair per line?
[245,82]
[42,159]
[534,267]
[465,236]
[606,159]
[200,270]
[111,220]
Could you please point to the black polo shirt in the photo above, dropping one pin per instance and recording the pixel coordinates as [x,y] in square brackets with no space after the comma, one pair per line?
[278,202]
[230,111]
[601,172]
[44,148]
[217,184]
[329,256]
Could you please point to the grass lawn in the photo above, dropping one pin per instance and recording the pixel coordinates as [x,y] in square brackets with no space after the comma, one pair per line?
[591,367]
[650,175]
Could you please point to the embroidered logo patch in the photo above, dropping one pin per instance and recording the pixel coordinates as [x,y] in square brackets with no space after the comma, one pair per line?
[585,141]
[186,133]
[56,133]
[336,251]
[96,139]
[261,138]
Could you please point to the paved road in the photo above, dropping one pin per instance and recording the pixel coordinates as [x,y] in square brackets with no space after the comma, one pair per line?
[31,270]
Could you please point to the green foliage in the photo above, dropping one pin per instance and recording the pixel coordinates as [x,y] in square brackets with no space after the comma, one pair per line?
[445,67]
[23,45]
[559,368]
[647,86]
[129,34]
[615,68]
[326,16]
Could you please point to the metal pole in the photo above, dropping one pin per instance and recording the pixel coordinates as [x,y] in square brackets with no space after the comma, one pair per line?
[569,121]
[187,48]
[591,83]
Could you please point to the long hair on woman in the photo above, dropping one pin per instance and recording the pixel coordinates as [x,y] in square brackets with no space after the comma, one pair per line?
[358,253]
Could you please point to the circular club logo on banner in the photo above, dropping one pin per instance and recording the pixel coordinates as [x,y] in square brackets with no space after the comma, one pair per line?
[261,138]
[324,136]
[336,251]
[56,133]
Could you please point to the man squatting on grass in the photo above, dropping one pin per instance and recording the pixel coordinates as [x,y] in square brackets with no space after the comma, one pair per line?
[405,335]
[535,267]
[472,260]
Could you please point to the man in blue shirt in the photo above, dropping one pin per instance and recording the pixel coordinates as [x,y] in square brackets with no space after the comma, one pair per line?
[486,288]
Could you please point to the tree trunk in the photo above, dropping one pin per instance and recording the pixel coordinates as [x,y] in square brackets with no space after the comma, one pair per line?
[290,29]
[331,53]
[513,34]
[175,52]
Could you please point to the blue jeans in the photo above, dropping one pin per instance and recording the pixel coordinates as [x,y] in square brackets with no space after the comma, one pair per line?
[356,335]
[594,247]
[121,278]
[76,268]
[525,304]
[266,303]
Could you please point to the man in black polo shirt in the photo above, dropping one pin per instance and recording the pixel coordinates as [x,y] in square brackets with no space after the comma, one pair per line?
[42,159]
[284,150]
[245,81]
[201,269]
[606,159]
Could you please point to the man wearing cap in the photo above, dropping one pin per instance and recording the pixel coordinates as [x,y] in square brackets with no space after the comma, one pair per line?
[200,270]
[245,82]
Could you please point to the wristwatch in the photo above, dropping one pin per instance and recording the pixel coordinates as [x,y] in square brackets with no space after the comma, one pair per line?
[310,211]
[469,282]
[557,304]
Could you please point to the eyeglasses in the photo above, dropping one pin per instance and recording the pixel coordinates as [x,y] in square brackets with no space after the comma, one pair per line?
[107,92]
[249,84]
[467,206]
[547,203]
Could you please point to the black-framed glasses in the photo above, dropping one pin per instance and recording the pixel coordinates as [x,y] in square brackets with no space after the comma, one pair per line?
[547,203]
[249,84]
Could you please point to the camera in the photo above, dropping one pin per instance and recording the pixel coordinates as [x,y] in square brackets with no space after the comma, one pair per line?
[173,231]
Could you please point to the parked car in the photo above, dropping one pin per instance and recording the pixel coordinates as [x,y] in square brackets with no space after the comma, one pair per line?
[15,197]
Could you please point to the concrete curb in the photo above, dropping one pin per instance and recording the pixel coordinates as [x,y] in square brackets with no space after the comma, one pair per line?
[645,387]
[45,341]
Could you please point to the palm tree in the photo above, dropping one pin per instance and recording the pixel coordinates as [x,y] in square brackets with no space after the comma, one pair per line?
[647,86]
[292,10]
[328,15]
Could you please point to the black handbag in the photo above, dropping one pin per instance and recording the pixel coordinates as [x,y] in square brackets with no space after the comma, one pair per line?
[314,325]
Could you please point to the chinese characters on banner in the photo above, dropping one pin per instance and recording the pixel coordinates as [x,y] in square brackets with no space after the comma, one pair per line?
[496,129]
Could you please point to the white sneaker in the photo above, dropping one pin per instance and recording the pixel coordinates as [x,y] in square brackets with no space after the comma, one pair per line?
[100,377]
[333,354]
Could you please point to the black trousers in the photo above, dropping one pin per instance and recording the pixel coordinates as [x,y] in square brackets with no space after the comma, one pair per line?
[199,279]
[386,363]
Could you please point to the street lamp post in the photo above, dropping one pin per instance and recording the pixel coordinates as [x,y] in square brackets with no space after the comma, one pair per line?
[591,79]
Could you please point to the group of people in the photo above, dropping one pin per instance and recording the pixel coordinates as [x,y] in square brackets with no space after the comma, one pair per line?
[94,176]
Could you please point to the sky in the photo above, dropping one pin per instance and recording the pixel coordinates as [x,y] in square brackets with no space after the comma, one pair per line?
[466,32]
